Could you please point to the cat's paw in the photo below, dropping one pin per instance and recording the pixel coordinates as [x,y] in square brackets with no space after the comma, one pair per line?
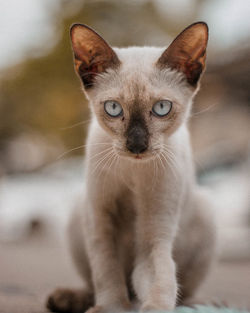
[110,309]
[95,309]
[69,301]
[152,307]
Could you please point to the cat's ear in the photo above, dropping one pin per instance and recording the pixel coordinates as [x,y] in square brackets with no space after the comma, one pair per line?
[187,53]
[92,54]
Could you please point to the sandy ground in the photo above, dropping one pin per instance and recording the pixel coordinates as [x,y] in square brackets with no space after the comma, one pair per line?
[30,270]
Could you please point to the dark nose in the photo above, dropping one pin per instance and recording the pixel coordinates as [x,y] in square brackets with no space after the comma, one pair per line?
[137,140]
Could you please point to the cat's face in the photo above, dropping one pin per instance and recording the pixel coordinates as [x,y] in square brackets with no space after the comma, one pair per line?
[140,95]
[138,105]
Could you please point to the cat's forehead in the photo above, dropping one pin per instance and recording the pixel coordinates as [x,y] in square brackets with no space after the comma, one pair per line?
[136,72]
[139,57]
[139,66]
[138,78]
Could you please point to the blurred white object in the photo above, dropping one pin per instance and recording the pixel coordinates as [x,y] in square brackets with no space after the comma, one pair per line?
[46,196]
[230,193]
[49,195]
[28,152]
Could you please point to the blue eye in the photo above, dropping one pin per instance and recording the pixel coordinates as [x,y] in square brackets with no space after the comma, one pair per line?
[162,107]
[113,108]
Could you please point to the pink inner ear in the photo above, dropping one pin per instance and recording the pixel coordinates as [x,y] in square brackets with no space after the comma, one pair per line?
[193,72]
[92,53]
[187,53]
[88,72]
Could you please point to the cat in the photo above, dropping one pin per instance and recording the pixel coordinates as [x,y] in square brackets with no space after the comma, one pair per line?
[144,232]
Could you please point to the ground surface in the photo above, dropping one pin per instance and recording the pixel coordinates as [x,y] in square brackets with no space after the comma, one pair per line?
[29,271]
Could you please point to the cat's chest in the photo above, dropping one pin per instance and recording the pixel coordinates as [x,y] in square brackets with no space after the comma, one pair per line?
[138,173]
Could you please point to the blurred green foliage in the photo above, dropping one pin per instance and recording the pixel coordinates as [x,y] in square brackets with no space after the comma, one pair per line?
[43,94]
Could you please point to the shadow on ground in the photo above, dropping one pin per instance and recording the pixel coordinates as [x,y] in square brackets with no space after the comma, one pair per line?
[30,270]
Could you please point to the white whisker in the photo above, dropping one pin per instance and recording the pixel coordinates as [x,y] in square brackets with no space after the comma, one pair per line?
[99,162]
[80,147]
[203,111]
[170,162]
[75,125]
[67,152]
[113,157]
[100,153]
[172,157]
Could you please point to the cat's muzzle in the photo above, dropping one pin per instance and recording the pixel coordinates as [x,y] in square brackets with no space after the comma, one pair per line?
[137,140]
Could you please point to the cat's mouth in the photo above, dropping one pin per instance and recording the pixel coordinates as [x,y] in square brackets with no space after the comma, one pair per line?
[146,155]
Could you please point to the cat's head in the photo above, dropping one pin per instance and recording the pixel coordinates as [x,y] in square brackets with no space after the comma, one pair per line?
[140,95]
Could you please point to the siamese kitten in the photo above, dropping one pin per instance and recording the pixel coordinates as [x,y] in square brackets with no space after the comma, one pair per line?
[143,230]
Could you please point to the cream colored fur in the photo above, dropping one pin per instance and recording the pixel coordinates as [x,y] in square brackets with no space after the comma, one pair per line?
[143,226]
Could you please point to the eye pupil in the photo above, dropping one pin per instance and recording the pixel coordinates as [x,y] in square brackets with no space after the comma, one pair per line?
[162,108]
[113,108]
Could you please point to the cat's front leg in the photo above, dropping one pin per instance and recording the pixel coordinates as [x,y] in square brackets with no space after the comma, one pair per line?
[155,281]
[162,291]
[154,276]
[108,279]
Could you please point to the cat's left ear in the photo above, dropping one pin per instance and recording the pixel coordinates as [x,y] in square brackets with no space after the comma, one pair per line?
[187,53]
[92,54]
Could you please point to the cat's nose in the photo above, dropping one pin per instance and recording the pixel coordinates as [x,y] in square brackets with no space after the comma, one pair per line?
[137,140]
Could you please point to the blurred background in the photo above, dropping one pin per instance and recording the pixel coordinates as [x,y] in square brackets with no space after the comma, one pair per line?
[44,118]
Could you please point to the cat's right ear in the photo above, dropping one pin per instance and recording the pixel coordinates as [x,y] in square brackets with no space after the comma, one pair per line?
[92,54]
